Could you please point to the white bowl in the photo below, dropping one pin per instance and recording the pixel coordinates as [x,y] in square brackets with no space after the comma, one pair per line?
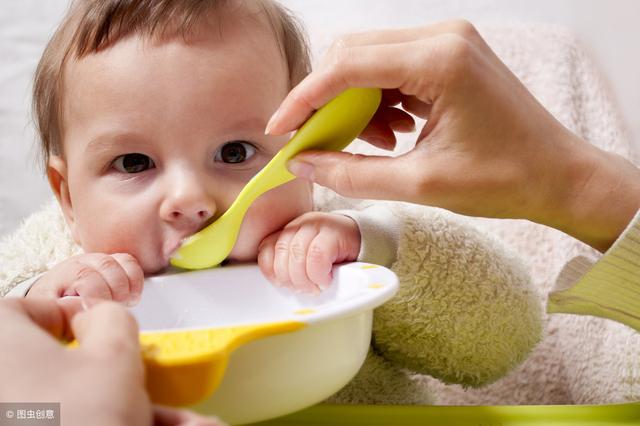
[280,374]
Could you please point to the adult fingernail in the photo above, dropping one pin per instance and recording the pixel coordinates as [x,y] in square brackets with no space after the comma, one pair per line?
[403,126]
[380,143]
[89,302]
[72,301]
[301,169]
[273,118]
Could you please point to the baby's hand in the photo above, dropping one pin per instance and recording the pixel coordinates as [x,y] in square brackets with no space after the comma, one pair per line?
[116,277]
[302,254]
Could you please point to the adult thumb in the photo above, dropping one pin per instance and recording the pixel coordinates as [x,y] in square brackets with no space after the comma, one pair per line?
[107,329]
[356,175]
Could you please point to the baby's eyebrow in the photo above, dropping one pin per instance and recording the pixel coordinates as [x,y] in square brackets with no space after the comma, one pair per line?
[244,123]
[107,142]
[240,125]
[112,140]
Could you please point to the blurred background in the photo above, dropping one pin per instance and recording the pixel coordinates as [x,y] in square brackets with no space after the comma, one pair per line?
[607,29]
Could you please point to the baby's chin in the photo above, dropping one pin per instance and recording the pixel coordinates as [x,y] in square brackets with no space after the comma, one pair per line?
[155,270]
[155,265]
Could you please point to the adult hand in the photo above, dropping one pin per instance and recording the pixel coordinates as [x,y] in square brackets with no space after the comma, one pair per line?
[488,147]
[100,383]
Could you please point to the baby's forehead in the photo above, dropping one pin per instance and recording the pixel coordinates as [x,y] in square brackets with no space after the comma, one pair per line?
[239,31]
[187,19]
[195,88]
[95,27]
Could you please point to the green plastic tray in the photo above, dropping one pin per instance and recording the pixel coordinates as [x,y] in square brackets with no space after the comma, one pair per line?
[516,415]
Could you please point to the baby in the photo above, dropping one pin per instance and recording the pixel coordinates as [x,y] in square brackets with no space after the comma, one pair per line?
[152,120]
[152,114]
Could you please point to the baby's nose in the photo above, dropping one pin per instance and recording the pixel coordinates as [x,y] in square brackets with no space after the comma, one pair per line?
[197,214]
[189,208]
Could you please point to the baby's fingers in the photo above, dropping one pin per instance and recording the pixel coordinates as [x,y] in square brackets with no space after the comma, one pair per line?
[321,254]
[266,256]
[135,274]
[298,253]
[113,274]
[89,284]
[281,256]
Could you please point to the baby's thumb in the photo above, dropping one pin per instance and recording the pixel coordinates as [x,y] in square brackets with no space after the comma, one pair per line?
[351,175]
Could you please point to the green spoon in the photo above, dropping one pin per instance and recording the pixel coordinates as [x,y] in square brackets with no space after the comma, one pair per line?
[332,127]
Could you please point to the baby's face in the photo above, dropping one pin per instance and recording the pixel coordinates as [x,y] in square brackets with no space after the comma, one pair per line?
[159,138]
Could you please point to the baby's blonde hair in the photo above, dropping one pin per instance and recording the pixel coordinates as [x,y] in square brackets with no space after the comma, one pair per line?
[92,25]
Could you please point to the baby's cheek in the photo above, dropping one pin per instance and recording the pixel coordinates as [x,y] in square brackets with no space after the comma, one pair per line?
[119,236]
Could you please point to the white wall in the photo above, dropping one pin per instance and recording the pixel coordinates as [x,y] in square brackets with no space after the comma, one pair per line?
[609,28]
[25,26]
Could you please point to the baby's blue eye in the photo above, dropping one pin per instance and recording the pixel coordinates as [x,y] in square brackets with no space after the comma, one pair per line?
[133,163]
[235,152]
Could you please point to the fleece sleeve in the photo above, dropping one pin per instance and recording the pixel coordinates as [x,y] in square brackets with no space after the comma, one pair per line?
[40,242]
[380,229]
[21,289]
[466,311]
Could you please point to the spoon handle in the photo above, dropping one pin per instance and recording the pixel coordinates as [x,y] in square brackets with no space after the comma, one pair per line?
[332,128]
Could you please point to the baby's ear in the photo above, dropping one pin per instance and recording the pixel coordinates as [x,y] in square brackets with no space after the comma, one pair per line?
[57,175]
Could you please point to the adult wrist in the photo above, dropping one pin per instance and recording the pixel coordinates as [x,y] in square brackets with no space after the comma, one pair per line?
[602,196]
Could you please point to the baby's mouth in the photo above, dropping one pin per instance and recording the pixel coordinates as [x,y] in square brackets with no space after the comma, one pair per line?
[171,245]
[170,251]
[174,247]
